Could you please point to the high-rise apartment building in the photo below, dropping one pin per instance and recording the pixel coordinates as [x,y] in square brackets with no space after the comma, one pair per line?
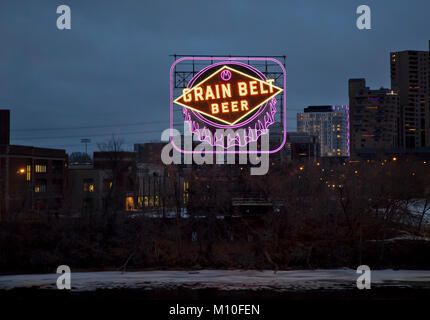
[410,77]
[330,124]
[373,116]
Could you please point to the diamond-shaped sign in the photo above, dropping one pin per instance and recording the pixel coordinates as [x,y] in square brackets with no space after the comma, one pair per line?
[228,95]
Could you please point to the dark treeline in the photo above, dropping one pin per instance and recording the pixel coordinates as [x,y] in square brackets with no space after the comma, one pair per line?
[322,217]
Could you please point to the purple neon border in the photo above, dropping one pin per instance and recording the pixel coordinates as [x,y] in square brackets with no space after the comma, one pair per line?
[229,59]
[226,126]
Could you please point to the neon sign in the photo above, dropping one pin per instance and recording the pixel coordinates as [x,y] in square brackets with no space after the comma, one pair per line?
[229,95]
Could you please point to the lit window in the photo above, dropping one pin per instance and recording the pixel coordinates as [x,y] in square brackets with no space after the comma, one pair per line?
[40,188]
[129,204]
[40,168]
[88,185]
[107,185]
[186,188]
[28,173]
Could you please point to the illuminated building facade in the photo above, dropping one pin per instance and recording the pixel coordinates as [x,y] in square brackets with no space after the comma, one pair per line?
[108,184]
[330,124]
[374,118]
[157,189]
[410,77]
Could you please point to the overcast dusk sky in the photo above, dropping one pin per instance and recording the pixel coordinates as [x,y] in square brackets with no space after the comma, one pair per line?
[110,72]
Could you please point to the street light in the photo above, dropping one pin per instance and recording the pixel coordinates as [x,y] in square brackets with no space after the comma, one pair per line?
[21,171]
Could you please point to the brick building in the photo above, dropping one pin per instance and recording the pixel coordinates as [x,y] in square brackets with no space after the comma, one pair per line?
[31,179]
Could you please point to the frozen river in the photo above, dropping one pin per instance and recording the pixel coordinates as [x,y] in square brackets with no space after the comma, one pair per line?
[222,280]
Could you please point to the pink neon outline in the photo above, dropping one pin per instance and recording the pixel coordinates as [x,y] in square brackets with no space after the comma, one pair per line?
[227,151]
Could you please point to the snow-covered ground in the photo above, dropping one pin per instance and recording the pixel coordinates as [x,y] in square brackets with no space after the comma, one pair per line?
[222,279]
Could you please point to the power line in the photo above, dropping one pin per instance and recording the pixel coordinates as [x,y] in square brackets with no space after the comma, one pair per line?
[85,135]
[91,127]
[96,134]
[111,125]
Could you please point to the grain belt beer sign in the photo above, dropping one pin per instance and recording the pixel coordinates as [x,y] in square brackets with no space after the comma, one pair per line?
[229,95]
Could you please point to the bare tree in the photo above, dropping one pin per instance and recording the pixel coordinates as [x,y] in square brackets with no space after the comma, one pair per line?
[116,166]
[112,145]
[425,210]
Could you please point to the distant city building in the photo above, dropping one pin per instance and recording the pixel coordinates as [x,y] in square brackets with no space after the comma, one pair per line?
[410,77]
[157,190]
[302,145]
[88,188]
[276,135]
[31,179]
[373,117]
[107,184]
[121,169]
[330,124]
